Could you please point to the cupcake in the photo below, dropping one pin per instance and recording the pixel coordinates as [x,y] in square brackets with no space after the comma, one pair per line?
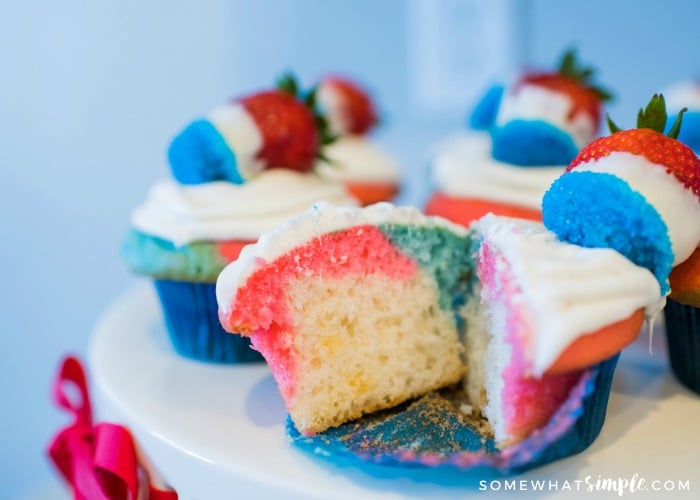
[240,171]
[682,320]
[369,173]
[502,332]
[521,139]
[637,191]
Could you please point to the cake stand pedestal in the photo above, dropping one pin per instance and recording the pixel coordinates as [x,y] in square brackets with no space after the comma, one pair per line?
[217,432]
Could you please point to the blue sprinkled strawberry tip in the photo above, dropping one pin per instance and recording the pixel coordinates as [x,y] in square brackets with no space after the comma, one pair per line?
[532,143]
[600,210]
[483,117]
[200,154]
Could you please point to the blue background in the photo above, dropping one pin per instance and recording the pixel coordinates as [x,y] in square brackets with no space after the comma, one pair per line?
[93,91]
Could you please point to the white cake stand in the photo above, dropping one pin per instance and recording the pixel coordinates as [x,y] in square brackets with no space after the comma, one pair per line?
[217,432]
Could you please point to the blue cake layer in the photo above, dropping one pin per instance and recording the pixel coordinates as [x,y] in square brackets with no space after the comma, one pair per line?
[199,261]
[447,256]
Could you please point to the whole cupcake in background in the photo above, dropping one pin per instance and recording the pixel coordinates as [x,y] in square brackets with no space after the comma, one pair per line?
[681,312]
[239,171]
[638,191]
[369,173]
[521,138]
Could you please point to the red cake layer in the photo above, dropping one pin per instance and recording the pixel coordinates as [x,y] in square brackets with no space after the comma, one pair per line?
[527,402]
[261,309]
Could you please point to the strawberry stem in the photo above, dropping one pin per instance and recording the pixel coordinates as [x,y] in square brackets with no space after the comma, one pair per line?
[571,68]
[287,83]
[611,124]
[654,115]
[676,127]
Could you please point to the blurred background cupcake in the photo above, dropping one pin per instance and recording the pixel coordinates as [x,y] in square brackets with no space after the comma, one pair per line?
[683,322]
[241,170]
[369,173]
[681,311]
[522,137]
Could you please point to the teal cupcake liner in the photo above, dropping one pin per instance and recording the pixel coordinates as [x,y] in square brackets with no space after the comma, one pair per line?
[191,317]
[683,338]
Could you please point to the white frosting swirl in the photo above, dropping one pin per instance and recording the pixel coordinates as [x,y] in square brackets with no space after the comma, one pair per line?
[464,167]
[358,159]
[678,206]
[534,102]
[568,290]
[683,95]
[221,211]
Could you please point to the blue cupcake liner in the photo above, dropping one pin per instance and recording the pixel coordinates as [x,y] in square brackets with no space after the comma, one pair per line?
[683,339]
[191,317]
[443,440]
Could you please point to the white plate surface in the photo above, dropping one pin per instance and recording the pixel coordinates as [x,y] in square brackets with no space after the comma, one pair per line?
[217,432]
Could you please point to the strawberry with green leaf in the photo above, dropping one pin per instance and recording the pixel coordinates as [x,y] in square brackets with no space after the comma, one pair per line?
[650,141]
[636,191]
[547,117]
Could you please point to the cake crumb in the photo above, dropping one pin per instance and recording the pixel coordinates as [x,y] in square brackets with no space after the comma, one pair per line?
[467,409]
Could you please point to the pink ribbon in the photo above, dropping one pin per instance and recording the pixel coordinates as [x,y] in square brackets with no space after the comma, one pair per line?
[102,461]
